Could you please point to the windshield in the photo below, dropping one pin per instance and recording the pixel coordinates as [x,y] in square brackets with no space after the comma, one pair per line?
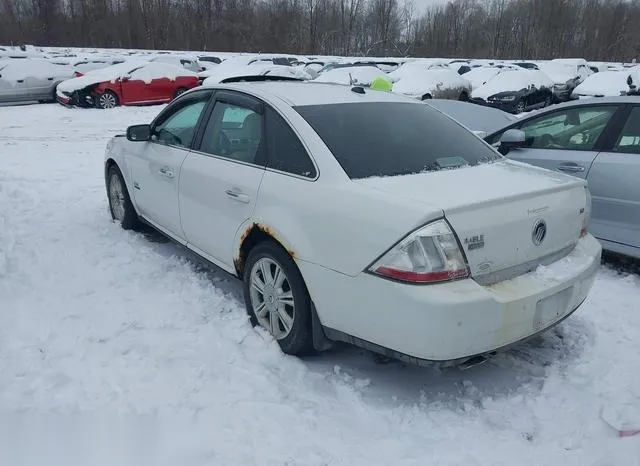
[394,138]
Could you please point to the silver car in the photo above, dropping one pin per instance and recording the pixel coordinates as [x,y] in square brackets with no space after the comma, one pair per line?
[28,79]
[598,140]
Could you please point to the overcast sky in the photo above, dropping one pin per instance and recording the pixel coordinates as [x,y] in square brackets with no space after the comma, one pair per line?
[421,5]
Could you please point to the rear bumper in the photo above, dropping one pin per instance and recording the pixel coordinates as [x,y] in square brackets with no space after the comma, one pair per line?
[453,320]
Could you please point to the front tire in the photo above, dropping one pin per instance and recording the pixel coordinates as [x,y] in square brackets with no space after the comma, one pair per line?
[107,100]
[277,299]
[120,206]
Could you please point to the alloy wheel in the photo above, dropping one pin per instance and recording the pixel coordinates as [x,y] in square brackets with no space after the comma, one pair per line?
[116,198]
[272,297]
[107,100]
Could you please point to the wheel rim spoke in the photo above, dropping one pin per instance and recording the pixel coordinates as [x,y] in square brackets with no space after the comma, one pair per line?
[278,278]
[286,298]
[266,273]
[257,283]
[275,328]
[285,319]
[261,310]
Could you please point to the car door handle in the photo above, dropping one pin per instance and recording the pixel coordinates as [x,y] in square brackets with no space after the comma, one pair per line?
[237,196]
[19,80]
[571,168]
[50,79]
[166,172]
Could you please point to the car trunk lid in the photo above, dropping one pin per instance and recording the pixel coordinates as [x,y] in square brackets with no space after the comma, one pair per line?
[509,217]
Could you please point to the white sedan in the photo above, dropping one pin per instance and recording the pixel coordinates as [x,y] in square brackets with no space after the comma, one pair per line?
[359,215]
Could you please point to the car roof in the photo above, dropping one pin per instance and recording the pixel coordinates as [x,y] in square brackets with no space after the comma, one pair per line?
[309,93]
[623,99]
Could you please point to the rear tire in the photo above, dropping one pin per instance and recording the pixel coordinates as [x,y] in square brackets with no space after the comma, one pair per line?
[120,206]
[277,299]
[107,100]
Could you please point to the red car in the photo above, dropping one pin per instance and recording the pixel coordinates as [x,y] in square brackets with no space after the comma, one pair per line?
[129,83]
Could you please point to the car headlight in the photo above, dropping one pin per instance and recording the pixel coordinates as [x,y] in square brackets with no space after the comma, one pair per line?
[430,254]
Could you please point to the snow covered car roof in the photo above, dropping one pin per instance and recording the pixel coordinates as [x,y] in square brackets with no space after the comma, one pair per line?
[357,75]
[21,68]
[222,73]
[604,83]
[428,80]
[513,80]
[147,72]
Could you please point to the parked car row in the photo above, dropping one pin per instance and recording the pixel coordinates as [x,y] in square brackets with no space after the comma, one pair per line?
[513,86]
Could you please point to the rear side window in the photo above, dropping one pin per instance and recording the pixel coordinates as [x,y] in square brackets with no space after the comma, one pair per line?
[285,151]
[629,139]
[394,138]
[573,128]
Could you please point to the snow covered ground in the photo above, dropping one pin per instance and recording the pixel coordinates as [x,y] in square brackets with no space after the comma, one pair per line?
[117,348]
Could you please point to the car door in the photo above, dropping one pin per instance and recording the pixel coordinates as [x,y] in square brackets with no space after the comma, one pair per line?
[155,170]
[9,88]
[134,89]
[614,182]
[565,140]
[220,179]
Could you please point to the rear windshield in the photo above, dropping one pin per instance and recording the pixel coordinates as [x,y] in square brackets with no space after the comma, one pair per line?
[394,138]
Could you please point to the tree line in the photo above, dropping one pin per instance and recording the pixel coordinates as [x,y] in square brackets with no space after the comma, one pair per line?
[533,29]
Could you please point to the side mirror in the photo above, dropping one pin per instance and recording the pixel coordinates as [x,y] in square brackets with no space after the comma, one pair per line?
[137,133]
[511,139]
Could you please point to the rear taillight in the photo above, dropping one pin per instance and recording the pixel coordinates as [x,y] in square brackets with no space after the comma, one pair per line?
[428,255]
[587,214]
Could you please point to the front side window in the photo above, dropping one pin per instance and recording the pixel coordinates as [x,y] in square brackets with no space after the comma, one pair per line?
[285,151]
[574,128]
[394,138]
[234,132]
[629,139]
[178,127]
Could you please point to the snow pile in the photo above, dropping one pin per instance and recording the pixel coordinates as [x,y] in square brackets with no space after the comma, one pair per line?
[39,68]
[359,75]
[429,81]
[603,84]
[513,80]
